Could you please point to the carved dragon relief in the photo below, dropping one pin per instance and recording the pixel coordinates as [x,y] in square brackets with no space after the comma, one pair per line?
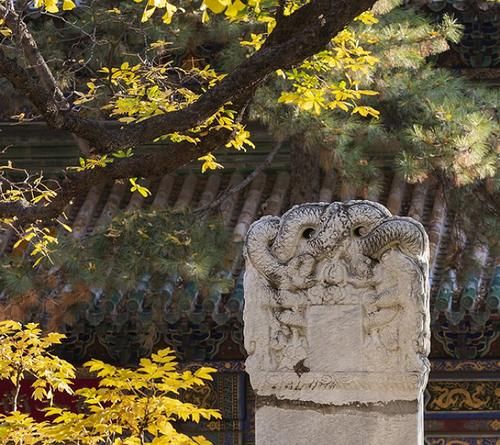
[327,255]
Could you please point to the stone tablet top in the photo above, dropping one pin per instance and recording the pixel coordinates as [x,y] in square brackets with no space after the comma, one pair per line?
[337,304]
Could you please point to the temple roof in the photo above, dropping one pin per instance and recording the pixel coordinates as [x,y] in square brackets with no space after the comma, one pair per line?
[457,297]
[479,47]
[268,194]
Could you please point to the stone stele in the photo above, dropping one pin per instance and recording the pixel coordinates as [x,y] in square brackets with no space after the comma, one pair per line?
[337,325]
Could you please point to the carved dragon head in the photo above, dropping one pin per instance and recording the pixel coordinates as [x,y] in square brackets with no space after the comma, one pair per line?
[274,245]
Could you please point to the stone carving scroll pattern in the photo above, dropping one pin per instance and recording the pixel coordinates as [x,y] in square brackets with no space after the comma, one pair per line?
[335,290]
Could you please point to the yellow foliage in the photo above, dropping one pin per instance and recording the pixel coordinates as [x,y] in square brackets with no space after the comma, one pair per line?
[232,9]
[345,57]
[91,163]
[209,163]
[128,406]
[41,240]
[145,91]
[52,6]
[25,352]
[309,92]
[256,42]
[143,191]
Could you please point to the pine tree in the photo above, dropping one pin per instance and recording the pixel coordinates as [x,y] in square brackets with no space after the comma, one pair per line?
[432,122]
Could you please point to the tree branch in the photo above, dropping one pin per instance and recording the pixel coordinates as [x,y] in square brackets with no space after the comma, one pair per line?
[32,54]
[295,37]
[173,156]
[28,83]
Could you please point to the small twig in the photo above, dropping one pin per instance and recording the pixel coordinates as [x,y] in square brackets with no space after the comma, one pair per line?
[18,388]
[241,185]
[73,25]
[4,150]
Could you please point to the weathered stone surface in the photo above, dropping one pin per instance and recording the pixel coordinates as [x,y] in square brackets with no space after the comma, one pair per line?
[342,426]
[336,307]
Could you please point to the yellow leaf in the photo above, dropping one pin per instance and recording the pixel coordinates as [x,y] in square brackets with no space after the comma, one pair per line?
[368,92]
[144,191]
[367,18]
[209,163]
[216,6]
[39,394]
[51,6]
[365,111]
[148,12]
[65,226]
[55,338]
[235,8]
[68,5]
[169,13]
[204,373]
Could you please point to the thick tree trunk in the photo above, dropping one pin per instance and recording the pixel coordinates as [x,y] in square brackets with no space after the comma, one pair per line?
[305,173]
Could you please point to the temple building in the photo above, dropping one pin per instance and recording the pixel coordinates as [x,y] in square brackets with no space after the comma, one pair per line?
[463,392]
[462,399]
